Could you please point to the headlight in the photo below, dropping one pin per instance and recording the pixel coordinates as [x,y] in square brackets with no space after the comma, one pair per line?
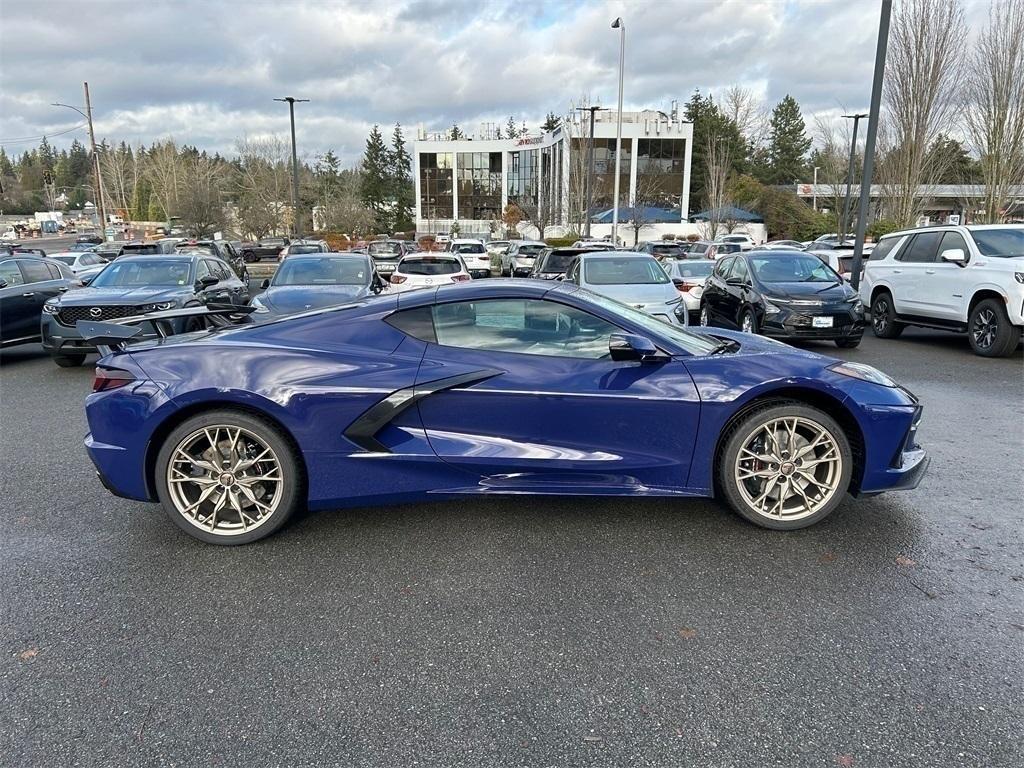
[770,309]
[158,307]
[863,372]
[51,308]
[1019,277]
[674,301]
[858,305]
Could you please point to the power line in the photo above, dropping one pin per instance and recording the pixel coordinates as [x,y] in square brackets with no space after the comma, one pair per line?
[26,139]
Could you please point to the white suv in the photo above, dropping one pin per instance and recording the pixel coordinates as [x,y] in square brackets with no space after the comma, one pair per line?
[964,279]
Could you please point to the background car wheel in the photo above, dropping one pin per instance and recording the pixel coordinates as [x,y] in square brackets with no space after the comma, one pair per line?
[990,331]
[248,257]
[705,315]
[785,466]
[228,477]
[883,322]
[68,361]
[748,322]
[848,343]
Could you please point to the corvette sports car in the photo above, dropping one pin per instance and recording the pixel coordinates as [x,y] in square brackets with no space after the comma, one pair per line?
[487,387]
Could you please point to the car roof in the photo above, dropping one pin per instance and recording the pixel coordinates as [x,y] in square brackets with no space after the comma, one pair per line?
[947,227]
[600,255]
[151,257]
[467,240]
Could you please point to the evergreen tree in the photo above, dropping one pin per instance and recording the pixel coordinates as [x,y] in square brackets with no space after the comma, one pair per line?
[375,181]
[551,122]
[498,134]
[456,133]
[952,163]
[785,158]
[47,157]
[510,128]
[6,169]
[402,188]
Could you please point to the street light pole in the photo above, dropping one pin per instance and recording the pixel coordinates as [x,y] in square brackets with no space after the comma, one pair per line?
[814,191]
[844,220]
[296,227]
[620,25]
[589,182]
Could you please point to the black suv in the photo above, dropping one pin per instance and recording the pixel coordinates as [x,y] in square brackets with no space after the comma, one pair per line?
[26,282]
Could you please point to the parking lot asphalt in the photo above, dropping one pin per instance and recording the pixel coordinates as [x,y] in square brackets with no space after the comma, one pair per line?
[523,632]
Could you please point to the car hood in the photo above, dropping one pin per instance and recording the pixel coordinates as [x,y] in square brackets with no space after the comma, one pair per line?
[287,299]
[824,292]
[657,293]
[140,295]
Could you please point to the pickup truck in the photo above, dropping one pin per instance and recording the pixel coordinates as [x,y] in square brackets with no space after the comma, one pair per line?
[261,249]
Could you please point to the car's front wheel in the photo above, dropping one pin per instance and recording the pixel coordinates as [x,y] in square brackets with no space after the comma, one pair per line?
[883,317]
[848,343]
[785,466]
[705,315]
[69,361]
[990,330]
[748,323]
[228,477]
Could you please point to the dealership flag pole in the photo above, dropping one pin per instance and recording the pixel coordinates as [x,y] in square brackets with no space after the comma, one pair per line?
[869,144]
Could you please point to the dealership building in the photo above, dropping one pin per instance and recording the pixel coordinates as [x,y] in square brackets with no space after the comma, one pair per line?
[472,180]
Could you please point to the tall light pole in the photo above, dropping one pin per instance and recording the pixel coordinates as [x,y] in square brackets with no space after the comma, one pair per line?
[296,227]
[869,143]
[95,156]
[589,182]
[814,190]
[620,25]
[844,220]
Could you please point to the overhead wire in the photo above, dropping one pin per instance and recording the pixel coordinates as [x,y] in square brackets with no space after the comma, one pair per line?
[26,139]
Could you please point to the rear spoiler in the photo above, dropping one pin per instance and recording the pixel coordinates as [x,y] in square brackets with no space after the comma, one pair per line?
[117,334]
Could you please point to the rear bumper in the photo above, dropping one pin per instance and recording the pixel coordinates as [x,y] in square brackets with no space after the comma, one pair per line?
[117,470]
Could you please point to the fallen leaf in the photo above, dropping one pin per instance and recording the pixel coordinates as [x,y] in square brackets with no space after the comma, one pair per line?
[592,738]
[905,561]
[844,760]
[828,557]
[28,653]
[687,633]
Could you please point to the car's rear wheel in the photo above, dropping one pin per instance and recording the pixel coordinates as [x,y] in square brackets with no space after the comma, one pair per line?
[748,322]
[990,330]
[228,477]
[848,343]
[883,317]
[785,466]
[705,315]
[68,361]
[248,257]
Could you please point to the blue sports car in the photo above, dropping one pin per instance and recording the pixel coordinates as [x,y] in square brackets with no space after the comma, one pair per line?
[489,387]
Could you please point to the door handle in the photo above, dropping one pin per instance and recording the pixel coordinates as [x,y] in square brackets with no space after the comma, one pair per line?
[929,271]
[29,295]
[63,289]
[897,271]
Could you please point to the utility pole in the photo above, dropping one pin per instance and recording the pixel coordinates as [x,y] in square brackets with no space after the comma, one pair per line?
[296,227]
[869,144]
[589,182]
[620,25]
[844,220]
[96,164]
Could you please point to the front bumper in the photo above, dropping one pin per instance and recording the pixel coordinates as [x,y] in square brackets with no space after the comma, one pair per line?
[61,339]
[793,323]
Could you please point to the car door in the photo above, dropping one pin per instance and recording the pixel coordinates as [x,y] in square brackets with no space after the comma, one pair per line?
[524,395]
[235,289]
[18,308]
[945,281]
[42,281]
[715,295]
[738,291]
[911,291]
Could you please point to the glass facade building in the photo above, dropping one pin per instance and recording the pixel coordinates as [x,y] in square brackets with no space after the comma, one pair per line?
[522,177]
[661,165]
[436,185]
[479,175]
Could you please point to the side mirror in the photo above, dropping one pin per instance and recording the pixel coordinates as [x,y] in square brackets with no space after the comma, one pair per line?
[3,283]
[628,346]
[955,255]
[206,282]
[265,284]
[88,279]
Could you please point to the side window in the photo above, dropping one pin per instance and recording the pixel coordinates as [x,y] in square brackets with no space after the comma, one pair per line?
[722,267]
[35,271]
[952,240]
[883,248]
[10,273]
[523,326]
[202,270]
[739,270]
[55,273]
[922,249]
[220,270]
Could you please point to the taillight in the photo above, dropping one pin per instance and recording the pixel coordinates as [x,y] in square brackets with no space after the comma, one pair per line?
[111,378]
[460,278]
[398,279]
[689,286]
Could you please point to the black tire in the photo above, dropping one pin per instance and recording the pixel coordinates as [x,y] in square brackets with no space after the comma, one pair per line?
[728,486]
[705,315]
[748,314]
[989,330]
[69,361]
[293,495]
[248,257]
[849,343]
[883,317]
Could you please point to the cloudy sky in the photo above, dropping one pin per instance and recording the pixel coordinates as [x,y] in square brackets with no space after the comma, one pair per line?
[206,71]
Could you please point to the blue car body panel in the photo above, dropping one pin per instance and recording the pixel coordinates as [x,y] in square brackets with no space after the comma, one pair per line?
[476,421]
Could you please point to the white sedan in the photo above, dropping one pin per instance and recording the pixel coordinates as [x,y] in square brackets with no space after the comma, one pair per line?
[79,261]
[689,275]
[428,270]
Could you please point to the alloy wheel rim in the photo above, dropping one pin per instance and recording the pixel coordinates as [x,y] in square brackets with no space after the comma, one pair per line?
[225,480]
[985,327]
[880,315]
[788,468]
[748,323]
[704,315]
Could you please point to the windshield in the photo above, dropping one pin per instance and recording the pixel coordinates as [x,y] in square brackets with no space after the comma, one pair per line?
[429,265]
[529,251]
[623,271]
[64,259]
[196,248]
[666,250]
[691,342]
[143,249]
[557,262]
[294,249]
[792,268]
[331,270]
[144,272]
[81,247]
[1001,243]
[384,249]
[469,248]
[689,268]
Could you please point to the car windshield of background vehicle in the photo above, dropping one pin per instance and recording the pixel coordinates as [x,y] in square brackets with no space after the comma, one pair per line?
[148,272]
[64,259]
[557,262]
[430,266]
[529,250]
[689,342]
[623,271]
[666,250]
[690,268]
[329,271]
[296,249]
[470,248]
[792,269]
[1001,243]
[384,249]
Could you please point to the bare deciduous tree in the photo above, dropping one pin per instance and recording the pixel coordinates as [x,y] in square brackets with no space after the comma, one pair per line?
[163,172]
[718,158]
[748,111]
[995,113]
[201,197]
[832,157]
[263,185]
[922,98]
